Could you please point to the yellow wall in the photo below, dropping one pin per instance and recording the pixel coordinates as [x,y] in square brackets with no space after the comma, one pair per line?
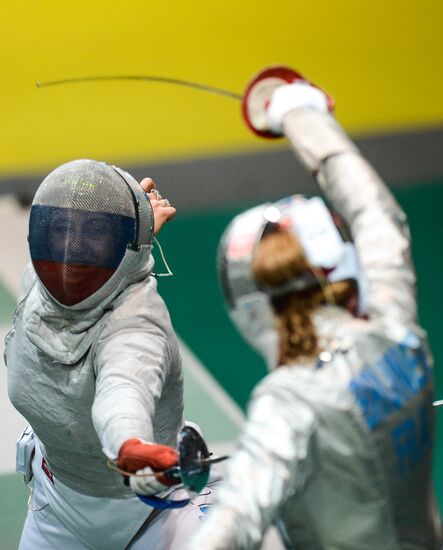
[382,60]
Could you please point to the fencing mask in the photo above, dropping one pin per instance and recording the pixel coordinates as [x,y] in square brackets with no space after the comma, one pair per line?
[84,217]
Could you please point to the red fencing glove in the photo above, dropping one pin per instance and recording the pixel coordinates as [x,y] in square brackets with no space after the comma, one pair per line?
[144,458]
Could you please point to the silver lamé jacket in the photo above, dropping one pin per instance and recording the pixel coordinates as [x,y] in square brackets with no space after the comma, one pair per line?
[89,379]
[339,450]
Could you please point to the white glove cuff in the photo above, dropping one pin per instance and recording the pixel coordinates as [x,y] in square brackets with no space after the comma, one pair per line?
[293,96]
[148,485]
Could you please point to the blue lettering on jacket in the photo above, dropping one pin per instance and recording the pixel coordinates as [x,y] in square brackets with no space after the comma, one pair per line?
[383,388]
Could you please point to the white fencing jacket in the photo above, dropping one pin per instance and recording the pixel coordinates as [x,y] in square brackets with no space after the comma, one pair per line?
[340,449]
[91,378]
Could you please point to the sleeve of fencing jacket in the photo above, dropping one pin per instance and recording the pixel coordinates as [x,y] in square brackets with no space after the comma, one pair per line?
[139,380]
[273,461]
[378,224]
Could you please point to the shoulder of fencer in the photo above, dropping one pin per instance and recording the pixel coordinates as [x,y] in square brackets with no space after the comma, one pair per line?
[278,413]
[140,302]
[295,398]
[369,338]
[284,386]
[355,343]
[139,308]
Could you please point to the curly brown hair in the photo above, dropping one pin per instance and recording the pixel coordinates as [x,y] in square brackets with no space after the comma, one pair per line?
[278,259]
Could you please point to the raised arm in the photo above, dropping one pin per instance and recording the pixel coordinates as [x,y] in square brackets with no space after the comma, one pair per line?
[354,189]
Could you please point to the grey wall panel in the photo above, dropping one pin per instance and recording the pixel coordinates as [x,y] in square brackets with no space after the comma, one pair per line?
[401,158]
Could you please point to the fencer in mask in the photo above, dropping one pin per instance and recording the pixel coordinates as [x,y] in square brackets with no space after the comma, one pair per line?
[93,361]
[337,447]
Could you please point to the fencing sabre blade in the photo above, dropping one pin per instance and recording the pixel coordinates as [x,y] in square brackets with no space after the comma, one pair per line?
[254,101]
[143,78]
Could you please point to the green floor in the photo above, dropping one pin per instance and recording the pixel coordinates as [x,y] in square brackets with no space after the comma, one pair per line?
[194,299]
[13,500]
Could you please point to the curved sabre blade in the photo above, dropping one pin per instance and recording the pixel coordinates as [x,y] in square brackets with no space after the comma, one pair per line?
[143,78]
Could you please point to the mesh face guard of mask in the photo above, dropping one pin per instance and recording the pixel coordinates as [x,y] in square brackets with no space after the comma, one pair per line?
[326,245]
[84,217]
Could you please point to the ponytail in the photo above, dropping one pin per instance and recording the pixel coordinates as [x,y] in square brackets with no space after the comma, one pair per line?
[279,258]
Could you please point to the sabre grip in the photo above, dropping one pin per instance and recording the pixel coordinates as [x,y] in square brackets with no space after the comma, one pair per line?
[172,473]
